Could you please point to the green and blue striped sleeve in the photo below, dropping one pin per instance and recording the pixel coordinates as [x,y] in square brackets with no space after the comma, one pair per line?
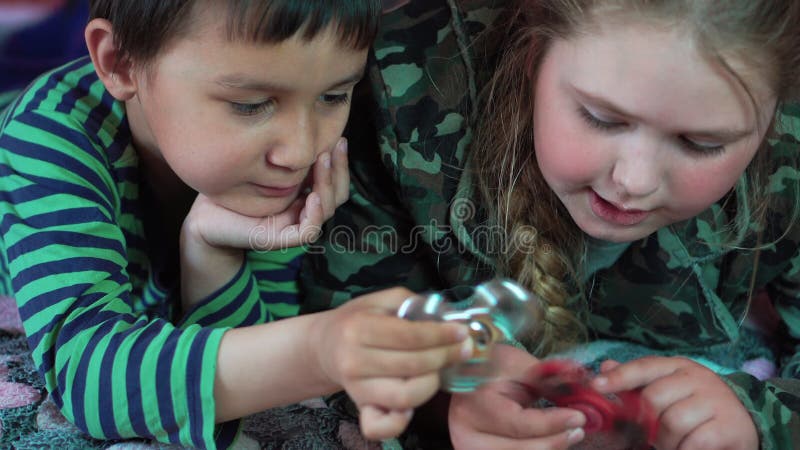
[113,373]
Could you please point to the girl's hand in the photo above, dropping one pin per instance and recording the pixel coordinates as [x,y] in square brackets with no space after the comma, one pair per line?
[387,365]
[499,414]
[696,408]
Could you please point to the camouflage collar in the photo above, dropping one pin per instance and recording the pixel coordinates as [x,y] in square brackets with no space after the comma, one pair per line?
[468,220]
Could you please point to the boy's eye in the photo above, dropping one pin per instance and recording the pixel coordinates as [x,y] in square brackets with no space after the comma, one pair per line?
[598,123]
[252,109]
[335,99]
[702,149]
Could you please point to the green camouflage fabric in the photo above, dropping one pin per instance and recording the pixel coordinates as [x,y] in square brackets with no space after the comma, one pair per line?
[411,220]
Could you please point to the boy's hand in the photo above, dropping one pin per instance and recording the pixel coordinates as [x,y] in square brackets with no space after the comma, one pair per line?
[696,408]
[387,365]
[213,239]
[299,224]
[499,414]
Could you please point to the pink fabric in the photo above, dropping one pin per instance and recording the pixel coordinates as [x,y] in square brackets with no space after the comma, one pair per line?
[761,368]
[4,360]
[50,418]
[22,12]
[9,316]
[14,395]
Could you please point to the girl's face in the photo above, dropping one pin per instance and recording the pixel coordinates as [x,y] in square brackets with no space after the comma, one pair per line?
[635,129]
[242,122]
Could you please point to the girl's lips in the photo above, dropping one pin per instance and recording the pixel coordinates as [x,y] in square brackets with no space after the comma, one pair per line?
[275,191]
[610,213]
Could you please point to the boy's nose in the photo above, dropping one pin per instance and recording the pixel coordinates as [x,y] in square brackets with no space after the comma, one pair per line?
[296,146]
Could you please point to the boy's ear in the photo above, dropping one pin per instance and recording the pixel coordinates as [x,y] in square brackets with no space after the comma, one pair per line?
[114,70]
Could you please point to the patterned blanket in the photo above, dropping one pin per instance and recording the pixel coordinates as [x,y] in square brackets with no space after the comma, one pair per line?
[30,420]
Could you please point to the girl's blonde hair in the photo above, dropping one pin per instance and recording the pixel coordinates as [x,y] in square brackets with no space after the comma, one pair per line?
[761,33]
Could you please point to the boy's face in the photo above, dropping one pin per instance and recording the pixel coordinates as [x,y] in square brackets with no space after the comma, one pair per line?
[243,122]
[635,134]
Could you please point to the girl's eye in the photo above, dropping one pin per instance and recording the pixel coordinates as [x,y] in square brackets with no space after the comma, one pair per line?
[701,149]
[252,109]
[600,124]
[335,99]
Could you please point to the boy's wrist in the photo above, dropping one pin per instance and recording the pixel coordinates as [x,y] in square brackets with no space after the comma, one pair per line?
[312,349]
[204,267]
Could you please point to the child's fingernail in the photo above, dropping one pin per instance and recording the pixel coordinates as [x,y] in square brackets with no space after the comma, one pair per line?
[341,146]
[600,382]
[326,160]
[576,421]
[575,435]
[462,332]
[467,349]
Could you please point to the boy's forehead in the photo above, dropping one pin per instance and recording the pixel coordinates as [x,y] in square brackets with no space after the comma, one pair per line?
[254,23]
[290,65]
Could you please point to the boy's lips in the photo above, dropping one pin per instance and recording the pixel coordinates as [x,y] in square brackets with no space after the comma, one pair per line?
[277,191]
[609,212]
[286,189]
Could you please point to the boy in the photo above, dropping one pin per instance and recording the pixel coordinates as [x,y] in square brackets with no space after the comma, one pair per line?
[196,143]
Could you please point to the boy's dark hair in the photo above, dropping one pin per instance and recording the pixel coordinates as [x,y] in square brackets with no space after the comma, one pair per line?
[143,27]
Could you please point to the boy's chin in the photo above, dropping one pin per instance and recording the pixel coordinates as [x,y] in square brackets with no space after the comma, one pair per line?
[266,207]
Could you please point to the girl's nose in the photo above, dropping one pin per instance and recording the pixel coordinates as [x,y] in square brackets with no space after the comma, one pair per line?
[638,171]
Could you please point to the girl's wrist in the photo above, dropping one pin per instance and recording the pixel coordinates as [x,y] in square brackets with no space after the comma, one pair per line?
[512,361]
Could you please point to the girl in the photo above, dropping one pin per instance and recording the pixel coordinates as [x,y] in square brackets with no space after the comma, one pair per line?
[208,130]
[629,167]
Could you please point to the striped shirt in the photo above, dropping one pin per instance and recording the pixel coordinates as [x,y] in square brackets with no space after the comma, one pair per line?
[96,300]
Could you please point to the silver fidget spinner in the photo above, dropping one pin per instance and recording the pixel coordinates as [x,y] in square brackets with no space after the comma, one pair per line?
[494,311]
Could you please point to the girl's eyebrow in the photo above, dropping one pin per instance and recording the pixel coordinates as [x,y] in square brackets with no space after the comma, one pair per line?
[602,103]
[721,135]
[244,82]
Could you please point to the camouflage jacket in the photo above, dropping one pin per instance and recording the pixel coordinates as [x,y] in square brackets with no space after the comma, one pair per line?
[411,219]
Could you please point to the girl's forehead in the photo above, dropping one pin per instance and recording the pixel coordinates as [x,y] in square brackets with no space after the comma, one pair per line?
[747,65]
[666,75]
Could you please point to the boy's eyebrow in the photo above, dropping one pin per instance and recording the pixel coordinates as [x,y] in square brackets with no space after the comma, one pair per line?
[240,81]
[352,79]
[723,134]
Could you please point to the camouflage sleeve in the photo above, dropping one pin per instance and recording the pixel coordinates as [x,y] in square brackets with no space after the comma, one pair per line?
[366,246]
[775,403]
[407,135]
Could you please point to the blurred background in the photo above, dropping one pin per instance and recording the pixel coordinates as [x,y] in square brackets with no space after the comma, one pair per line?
[36,36]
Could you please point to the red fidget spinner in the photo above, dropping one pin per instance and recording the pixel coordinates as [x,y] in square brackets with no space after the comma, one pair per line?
[566,384]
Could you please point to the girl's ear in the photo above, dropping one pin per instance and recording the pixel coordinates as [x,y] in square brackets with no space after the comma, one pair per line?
[114,70]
